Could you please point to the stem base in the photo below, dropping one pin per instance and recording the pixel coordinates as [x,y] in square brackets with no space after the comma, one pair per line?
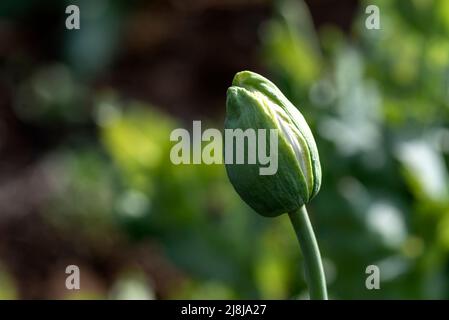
[312,258]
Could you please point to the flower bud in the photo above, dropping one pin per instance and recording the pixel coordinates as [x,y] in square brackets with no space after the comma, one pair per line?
[254,102]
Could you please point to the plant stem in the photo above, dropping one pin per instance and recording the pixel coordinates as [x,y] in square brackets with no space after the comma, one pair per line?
[312,258]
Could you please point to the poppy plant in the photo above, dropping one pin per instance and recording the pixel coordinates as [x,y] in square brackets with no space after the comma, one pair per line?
[253,102]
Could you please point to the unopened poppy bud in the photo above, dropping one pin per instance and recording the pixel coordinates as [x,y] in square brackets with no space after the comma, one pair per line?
[254,102]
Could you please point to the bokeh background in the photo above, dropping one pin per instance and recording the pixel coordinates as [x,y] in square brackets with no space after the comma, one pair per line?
[85,176]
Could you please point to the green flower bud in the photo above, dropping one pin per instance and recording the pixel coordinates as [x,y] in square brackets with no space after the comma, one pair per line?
[254,102]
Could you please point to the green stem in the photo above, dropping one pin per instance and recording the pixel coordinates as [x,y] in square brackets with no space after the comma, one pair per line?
[312,258]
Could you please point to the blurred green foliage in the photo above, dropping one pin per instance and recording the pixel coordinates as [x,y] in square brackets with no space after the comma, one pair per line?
[379,107]
[378,104]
